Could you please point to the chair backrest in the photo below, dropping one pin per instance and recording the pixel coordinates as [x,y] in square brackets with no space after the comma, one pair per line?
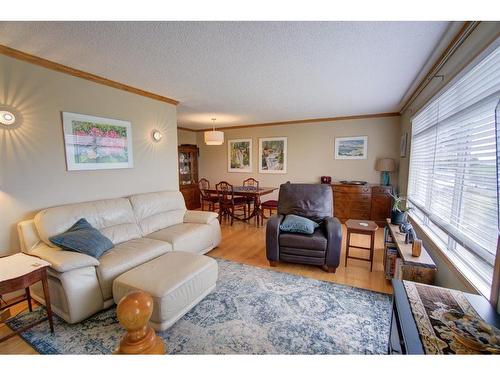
[204,186]
[251,182]
[225,192]
[314,201]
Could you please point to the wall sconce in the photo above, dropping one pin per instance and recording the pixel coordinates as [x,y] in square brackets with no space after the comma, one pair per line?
[7,118]
[156,135]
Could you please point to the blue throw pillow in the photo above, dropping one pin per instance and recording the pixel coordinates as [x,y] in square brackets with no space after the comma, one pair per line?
[298,224]
[83,238]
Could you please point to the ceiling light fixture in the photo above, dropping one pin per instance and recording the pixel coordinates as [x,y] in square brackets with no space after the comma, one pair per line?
[214,137]
[7,118]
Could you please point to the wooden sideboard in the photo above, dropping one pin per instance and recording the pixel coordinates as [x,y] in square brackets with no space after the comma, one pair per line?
[362,202]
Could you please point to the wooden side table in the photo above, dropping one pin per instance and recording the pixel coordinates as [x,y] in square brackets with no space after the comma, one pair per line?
[365,227]
[20,271]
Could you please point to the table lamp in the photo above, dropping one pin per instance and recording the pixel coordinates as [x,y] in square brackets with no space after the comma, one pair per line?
[386,166]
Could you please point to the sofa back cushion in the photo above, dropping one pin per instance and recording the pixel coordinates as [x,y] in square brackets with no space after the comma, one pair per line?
[155,211]
[114,218]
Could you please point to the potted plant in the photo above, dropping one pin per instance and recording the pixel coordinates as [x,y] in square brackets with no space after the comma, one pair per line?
[399,210]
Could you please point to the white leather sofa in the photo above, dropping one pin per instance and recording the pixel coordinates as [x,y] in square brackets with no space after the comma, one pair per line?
[142,227]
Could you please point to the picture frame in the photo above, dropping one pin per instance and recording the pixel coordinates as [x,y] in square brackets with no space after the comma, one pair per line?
[351,148]
[95,143]
[239,155]
[403,145]
[273,154]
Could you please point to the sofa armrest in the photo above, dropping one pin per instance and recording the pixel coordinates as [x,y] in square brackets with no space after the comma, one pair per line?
[28,236]
[62,260]
[333,229]
[272,237]
[200,217]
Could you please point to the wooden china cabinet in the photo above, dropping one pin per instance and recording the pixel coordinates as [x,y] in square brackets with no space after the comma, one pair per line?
[188,175]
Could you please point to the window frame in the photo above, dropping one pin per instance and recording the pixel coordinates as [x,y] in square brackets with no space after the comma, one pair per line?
[447,250]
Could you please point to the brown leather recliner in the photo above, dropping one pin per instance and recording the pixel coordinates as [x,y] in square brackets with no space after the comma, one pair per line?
[322,248]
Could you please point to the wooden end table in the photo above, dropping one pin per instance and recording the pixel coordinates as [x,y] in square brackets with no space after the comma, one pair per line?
[365,227]
[20,271]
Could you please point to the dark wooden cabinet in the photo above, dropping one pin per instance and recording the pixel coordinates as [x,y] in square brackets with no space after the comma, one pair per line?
[362,202]
[188,175]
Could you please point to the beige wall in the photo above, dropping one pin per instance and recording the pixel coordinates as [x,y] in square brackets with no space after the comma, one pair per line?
[482,36]
[186,137]
[310,152]
[33,170]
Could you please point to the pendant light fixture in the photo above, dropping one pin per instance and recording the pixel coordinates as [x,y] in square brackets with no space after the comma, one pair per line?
[214,137]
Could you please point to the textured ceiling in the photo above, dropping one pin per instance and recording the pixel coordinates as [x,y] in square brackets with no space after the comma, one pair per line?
[245,72]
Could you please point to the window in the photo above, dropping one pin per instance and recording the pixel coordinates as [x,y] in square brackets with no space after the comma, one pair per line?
[453,180]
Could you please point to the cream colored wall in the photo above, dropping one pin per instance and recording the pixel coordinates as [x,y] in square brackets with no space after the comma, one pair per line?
[186,137]
[310,152]
[481,37]
[33,170]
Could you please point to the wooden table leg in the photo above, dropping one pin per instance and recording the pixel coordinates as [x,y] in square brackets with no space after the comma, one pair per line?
[372,249]
[28,298]
[46,295]
[348,241]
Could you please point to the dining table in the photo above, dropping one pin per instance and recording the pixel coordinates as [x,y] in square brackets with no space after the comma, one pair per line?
[253,193]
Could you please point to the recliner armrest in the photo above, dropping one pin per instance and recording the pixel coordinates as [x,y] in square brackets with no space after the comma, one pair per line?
[333,229]
[200,217]
[63,260]
[272,237]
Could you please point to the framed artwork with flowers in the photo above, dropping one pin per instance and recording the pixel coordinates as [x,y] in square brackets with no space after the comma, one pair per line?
[96,142]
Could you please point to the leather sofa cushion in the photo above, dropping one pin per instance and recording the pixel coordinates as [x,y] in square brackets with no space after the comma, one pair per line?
[126,256]
[190,237]
[114,218]
[176,281]
[315,241]
[155,211]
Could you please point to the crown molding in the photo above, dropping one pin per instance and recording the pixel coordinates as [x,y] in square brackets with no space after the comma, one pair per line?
[20,55]
[300,122]
[454,44]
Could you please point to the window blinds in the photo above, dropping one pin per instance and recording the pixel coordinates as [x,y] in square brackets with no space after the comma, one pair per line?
[453,178]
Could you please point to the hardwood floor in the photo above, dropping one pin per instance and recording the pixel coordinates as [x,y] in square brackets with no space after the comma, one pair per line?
[245,243]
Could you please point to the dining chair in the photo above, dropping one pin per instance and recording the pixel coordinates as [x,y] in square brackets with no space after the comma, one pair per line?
[228,203]
[251,183]
[206,196]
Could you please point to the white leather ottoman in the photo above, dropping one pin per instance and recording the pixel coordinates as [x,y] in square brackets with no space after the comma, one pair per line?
[177,281]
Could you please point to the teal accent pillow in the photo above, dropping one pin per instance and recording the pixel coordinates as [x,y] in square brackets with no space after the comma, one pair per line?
[83,238]
[298,224]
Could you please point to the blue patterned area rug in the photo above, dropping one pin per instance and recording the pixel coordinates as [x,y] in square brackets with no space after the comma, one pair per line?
[252,311]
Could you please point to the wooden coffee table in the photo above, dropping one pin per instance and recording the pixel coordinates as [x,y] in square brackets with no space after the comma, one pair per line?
[365,227]
[19,271]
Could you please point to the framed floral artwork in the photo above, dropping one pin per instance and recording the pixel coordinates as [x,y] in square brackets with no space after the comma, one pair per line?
[96,142]
[273,155]
[351,148]
[239,155]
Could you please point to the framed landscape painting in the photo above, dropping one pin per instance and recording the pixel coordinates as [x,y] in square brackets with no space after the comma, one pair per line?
[272,155]
[96,142]
[239,155]
[351,148]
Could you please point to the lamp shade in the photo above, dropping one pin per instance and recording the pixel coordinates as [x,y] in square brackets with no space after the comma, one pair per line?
[385,165]
[214,138]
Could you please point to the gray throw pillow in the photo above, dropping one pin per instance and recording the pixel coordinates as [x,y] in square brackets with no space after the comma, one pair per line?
[83,238]
[298,224]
